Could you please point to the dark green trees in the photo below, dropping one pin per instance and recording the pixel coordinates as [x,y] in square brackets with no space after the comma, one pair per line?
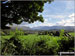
[19,11]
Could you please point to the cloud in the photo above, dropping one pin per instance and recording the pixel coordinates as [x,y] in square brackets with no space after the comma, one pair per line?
[24,24]
[57,13]
[63,21]
[55,16]
[72,15]
[46,20]
[67,22]
[46,24]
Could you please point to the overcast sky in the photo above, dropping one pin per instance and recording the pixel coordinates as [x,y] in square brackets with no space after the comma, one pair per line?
[55,14]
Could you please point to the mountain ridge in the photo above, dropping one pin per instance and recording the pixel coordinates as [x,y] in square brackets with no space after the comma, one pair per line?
[54,27]
[45,27]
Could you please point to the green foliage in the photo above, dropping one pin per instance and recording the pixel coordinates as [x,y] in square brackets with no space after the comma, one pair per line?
[33,44]
[19,32]
[61,32]
[72,33]
[2,33]
[52,46]
[66,43]
[12,33]
[19,11]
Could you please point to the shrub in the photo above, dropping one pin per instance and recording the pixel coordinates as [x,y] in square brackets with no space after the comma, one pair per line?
[66,43]
[61,32]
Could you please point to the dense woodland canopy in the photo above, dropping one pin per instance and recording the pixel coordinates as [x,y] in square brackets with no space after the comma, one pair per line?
[19,11]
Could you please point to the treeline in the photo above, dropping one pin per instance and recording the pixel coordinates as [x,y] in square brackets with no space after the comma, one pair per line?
[51,33]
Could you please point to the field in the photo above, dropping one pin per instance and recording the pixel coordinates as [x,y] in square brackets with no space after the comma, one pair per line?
[34,44]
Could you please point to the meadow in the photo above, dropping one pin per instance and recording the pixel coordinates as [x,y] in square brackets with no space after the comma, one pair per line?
[16,43]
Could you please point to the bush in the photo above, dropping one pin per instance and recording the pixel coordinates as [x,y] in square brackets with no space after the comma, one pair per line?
[61,32]
[66,43]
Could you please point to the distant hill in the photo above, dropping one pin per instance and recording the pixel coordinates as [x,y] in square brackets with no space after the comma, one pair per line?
[69,28]
[54,28]
[21,27]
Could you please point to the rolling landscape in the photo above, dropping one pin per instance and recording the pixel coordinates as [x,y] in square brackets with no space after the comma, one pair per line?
[37,28]
[69,28]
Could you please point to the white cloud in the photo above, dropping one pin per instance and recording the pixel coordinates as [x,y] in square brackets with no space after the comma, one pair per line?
[64,22]
[46,20]
[46,24]
[68,22]
[72,15]
[55,16]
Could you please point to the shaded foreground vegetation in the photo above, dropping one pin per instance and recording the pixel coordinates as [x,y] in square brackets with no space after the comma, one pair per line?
[21,43]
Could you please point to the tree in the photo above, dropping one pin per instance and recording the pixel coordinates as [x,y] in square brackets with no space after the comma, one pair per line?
[19,11]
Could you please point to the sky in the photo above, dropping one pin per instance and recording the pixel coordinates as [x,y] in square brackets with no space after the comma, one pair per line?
[57,13]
